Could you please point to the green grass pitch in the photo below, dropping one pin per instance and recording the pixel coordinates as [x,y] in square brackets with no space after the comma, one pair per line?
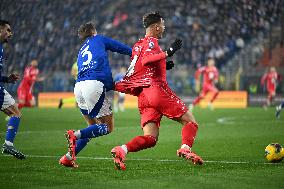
[230,141]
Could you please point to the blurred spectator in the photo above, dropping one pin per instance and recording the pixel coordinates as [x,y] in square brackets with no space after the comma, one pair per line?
[47,29]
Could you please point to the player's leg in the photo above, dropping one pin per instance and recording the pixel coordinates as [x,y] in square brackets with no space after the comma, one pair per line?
[10,108]
[215,92]
[121,100]
[31,102]
[188,134]
[174,108]
[115,101]
[279,109]
[21,97]
[82,142]
[201,96]
[93,102]
[150,122]
[148,140]
[271,94]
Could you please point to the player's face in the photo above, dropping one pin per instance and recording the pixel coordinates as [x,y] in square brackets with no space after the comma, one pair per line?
[272,69]
[5,33]
[211,63]
[160,28]
[34,63]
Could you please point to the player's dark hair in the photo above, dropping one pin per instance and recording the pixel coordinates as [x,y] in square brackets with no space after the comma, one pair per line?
[86,30]
[151,18]
[4,22]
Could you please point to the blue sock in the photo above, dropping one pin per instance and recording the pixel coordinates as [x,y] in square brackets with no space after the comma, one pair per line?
[80,144]
[282,105]
[94,131]
[12,128]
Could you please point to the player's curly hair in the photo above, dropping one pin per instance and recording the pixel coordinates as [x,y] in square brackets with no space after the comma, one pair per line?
[4,22]
[151,18]
[86,30]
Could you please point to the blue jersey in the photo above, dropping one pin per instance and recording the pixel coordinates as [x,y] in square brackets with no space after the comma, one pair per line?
[2,78]
[93,63]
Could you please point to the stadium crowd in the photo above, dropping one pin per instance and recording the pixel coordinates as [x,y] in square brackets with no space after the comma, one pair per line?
[47,30]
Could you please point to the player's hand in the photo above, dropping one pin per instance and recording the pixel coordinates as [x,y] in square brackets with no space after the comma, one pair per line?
[12,78]
[169,64]
[174,47]
[40,79]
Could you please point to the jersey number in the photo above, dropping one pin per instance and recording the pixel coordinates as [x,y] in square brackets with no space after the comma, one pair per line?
[88,53]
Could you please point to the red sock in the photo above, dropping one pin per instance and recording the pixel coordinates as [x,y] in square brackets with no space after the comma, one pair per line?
[141,142]
[214,97]
[188,133]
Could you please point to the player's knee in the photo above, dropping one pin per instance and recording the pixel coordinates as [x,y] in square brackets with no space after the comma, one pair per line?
[151,141]
[186,118]
[13,111]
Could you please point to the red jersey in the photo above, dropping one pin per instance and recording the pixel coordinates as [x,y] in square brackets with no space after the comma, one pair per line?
[148,67]
[30,76]
[271,79]
[210,74]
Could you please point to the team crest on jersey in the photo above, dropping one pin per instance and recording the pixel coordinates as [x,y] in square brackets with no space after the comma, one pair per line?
[151,45]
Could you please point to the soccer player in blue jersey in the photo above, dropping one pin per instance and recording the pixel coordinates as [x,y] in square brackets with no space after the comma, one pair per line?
[93,89]
[119,97]
[7,103]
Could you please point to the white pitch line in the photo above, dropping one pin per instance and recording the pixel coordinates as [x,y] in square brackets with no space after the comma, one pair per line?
[148,159]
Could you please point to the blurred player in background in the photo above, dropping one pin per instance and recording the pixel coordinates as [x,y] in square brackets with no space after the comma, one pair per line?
[210,78]
[25,89]
[74,73]
[270,78]
[93,89]
[7,103]
[146,78]
[119,97]
[279,109]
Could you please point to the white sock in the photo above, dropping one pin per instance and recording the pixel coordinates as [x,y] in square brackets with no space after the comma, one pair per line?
[124,147]
[9,143]
[68,156]
[77,134]
[185,146]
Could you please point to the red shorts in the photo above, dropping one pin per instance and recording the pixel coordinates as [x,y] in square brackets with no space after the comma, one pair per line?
[25,95]
[159,100]
[208,88]
[271,91]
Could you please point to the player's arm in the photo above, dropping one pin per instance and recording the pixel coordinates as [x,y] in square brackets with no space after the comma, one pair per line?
[198,72]
[74,70]
[42,78]
[153,57]
[12,78]
[116,46]
[148,58]
[263,79]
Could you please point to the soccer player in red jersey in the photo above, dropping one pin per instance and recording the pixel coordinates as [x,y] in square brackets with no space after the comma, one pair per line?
[270,78]
[25,89]
[210,77]
[146,78]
